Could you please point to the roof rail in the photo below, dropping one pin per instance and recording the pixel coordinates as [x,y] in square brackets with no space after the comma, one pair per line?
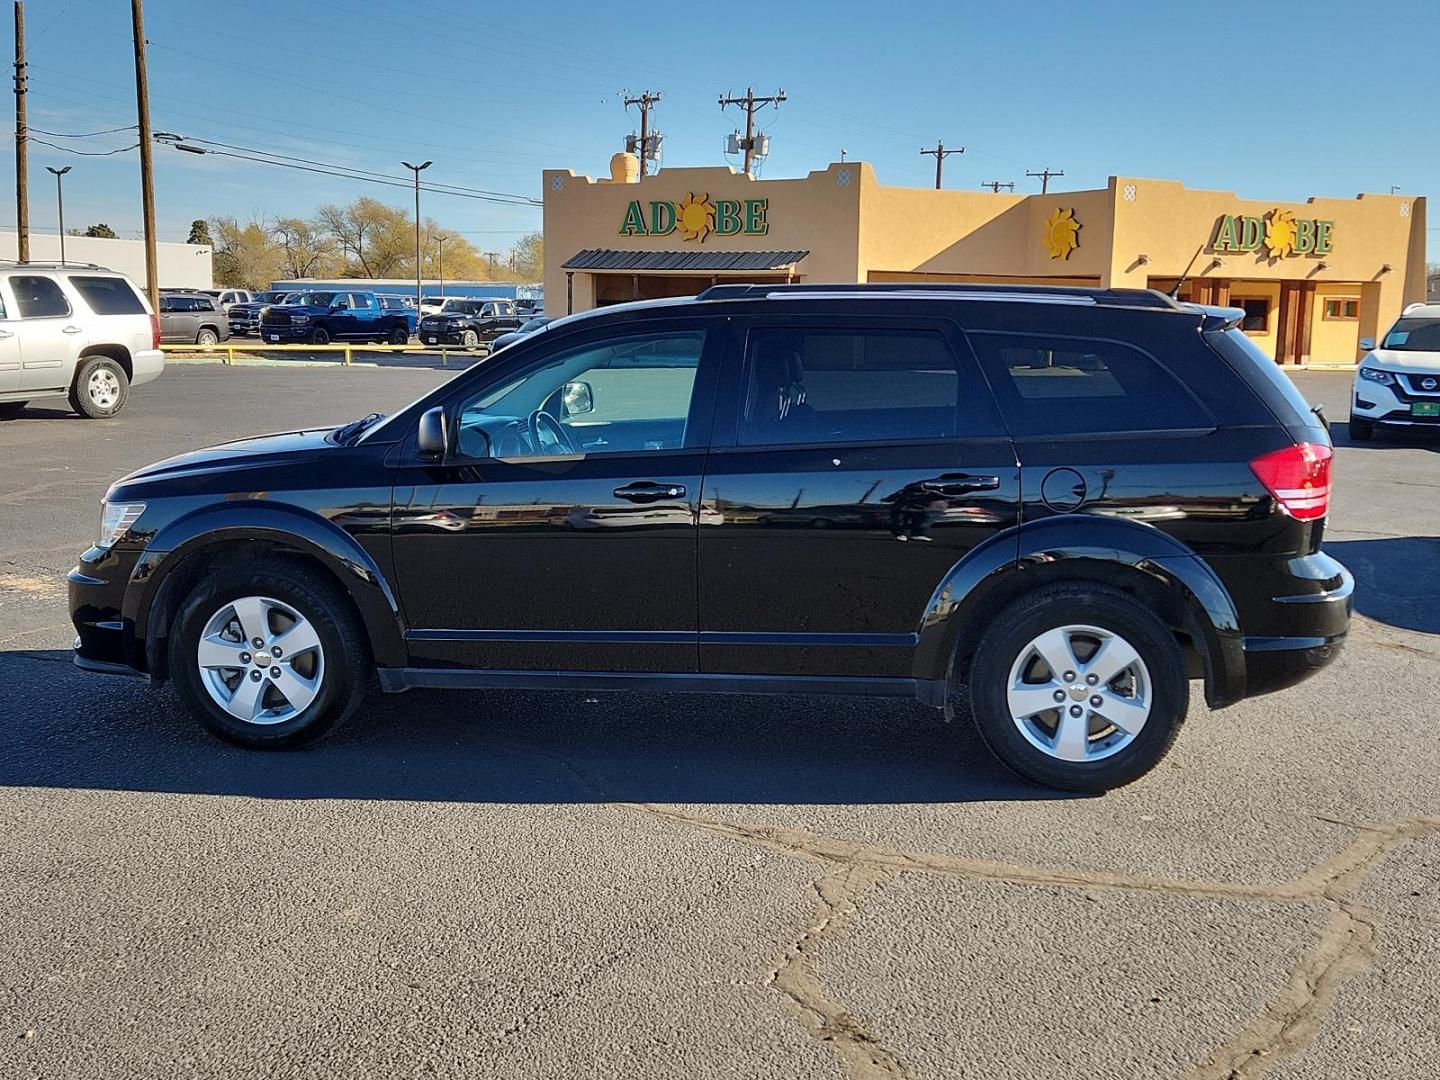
[1149,298]
[44,264]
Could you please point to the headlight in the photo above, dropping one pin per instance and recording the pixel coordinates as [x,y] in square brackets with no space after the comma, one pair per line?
[299,320]
[115,521]
[1375,375]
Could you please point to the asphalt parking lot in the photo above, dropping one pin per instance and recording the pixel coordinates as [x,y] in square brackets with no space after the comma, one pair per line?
[573,885]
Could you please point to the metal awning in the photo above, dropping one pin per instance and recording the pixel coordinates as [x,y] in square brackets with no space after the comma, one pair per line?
[713,262]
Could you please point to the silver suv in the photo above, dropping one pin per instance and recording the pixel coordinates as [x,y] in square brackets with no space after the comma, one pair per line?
[75,330]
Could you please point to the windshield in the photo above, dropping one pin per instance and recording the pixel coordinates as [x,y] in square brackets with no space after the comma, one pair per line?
[270,297]
[1414,335]
[533,325]
[311,299]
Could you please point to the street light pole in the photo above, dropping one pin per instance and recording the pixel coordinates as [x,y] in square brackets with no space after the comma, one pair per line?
[60,202]
[440,239]
[417,170]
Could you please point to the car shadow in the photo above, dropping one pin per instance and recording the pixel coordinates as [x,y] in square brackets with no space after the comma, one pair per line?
[54,412]
[1384,439]
[1397,579]
[68,729]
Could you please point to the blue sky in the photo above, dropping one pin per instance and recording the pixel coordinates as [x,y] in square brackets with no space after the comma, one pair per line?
[1274,100]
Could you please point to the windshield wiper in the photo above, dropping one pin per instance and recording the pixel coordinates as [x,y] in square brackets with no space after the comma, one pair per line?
[355,427]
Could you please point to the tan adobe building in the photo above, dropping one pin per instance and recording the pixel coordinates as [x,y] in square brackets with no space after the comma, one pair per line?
[1313,277]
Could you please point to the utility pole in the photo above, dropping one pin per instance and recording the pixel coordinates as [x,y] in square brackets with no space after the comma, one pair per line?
[750,103]
[646,101]
[440,239]
[22,141]
[940,154]
[147,166]
[996,185]
[60,204]
[1045,175]
[417,170]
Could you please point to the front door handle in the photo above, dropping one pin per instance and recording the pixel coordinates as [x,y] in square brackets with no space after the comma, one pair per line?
[5,334]
[72,330]
[959,484]
[643,491]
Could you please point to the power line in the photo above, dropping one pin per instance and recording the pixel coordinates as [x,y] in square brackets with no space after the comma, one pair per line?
[940,154]
[83,134]
[646,101]
[84,153]
[750,103]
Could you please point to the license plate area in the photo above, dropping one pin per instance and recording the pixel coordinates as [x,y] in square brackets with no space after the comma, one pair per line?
[1425,408]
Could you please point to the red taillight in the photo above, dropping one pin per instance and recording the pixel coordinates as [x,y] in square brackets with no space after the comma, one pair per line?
[1299,478]
[154,331]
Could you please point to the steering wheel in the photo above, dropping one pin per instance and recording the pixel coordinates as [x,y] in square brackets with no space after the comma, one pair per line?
[547,436]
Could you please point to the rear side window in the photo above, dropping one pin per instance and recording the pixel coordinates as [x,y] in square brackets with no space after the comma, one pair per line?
[821,386]
[38,297]
[108,295]
[1070,386]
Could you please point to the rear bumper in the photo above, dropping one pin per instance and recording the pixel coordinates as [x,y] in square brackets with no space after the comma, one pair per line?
[1278,663]
[146,366]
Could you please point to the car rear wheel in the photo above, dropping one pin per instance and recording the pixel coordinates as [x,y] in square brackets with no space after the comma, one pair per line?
[470,339]
[100,388]
[11,409]
[1361,430]
[207,337]
[1079,687]
[269,656]
[319,336]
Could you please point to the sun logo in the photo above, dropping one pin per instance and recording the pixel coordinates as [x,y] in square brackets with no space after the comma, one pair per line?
[1062,233]
[695,217]
[1280,232]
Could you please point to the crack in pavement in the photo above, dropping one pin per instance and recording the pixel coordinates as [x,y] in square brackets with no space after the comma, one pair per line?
[850,869]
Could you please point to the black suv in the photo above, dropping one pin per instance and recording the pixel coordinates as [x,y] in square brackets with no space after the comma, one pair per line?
[468,323]
[1073,501]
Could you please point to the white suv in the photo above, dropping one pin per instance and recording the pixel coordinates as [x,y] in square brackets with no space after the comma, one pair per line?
[78,331]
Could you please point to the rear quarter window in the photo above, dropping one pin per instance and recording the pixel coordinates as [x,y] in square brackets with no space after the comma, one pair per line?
[108,295]
[1050,386]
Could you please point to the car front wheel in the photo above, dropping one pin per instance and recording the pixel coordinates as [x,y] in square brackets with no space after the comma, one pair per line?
[207,337]
[470,339]
[269,657]
[1079,687]
[319,336]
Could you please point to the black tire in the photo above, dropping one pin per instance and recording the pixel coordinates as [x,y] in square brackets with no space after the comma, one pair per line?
[319,336]
[102,371]
[470,339]
[346,652]
[9,410]
[399,337]
[1362,430]
[1065,604]
[207,337]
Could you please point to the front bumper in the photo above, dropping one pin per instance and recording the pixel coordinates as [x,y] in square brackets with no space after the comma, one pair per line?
[105,639]
[447,336]
[285,335]
[1394,405]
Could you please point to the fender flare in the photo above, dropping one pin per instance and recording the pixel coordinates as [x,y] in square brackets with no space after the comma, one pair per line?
[1211,613]
[286,525]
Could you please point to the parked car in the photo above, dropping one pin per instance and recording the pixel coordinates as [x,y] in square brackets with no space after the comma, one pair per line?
[1397,384]
[192,317]
[318,318]
[527,327]
[404,307]
[75,330]
[528,305]
[468,323]
[226,297]
[245,317]
[1072,500]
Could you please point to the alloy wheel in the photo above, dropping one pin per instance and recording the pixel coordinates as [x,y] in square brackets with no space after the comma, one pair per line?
[260,660]
[1079,693]
[103,388]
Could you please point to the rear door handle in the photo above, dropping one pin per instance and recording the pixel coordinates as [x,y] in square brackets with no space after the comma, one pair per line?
[72,330]
[959,484]
[649,491]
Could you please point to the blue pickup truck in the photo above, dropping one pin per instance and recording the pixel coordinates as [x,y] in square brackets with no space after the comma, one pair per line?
[318,318]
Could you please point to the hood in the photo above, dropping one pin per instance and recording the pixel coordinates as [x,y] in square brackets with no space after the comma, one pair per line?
[1403,360]
[286,447]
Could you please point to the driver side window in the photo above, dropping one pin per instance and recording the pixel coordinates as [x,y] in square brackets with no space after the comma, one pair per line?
[623,395]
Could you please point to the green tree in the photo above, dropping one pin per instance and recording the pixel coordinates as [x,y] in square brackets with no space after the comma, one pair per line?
[101,230]
[374,240]
[529,252]
[200,233]
[306,248]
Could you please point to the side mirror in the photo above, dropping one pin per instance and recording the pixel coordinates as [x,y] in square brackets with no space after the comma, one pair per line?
[431,436]
[577,399]
[1367,343]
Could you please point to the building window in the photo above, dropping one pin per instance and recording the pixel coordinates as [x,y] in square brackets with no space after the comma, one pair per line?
[1342,308]
[1257,313]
